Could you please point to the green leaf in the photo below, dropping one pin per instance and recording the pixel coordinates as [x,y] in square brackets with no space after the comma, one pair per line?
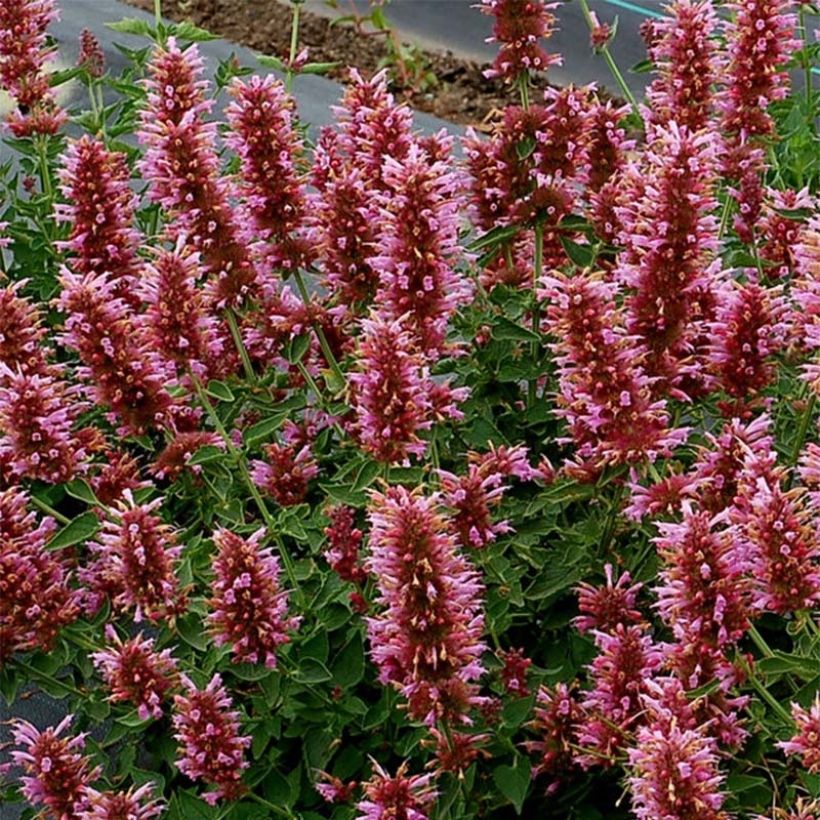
[80,529]
[220,390]
[297,348]
[133,721]
[312,670]
[81,490]
[133,25]
[206,454]
[513,782]
[494,237]
[642,67]
[191,631]
[581,255]
[186,30]
[318,68]
[261,431]
[57,78]
[743,782]
[349,667]
[366,475]
[270,61]
[506,329]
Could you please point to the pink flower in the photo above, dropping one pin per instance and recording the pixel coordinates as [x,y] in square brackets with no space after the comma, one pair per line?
[685,54]
[605,394]
[782,540]
[518,27]
[211,747]
[417,247]
[805,744]
[749,330]
[803,809]
[663,497]
[135,672]
[21,332]
[36,600]
[703,593]
[135,804]
[514,672]
[263,134]
[556,721]
[118,473]
[91,56]
[760,41]
[427,639]
[23,66]
[334,790]
[603,608]
[601,33]
[178,326]
[474,495]
[670,238]
[124,374]
[344,540]
[37,419]
[285,473]
[100,212]
[674,771]
[391,392]
[781,234]
[174,459]
[182,168]
[400,796]
[57,774]
[134,561]
[248,605]
[619,675]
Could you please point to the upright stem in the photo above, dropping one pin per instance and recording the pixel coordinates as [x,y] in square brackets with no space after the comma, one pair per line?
[803,429]
[157,11]
[524,89]
[239,457]
[294,42]
[538,270]
[240,345]
[611,64]
[804,30]
[49,510]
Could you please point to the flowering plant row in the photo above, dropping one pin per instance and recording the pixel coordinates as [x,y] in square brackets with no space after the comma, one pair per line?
[359,473]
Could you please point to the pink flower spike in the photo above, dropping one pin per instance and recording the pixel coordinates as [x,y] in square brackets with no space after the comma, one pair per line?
[604,607]
[557,716]
[134,804]
[399,796]
[285,473]
[248,605]
[211,747]
[805,744]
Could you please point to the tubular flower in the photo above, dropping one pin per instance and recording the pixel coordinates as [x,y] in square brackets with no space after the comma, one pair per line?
[804,809]
[212,749]
[285,473]
[23,66]
[134,561]
[342,225]
[474,495]
[391,392]
[749,330]
[810,472]
[603,608]
[400,796]
[704,591]
[261,118]
[136,673]
[37,414]
[248,607]
[669,235]
[124,375]
[135,804]
[426,641]
[781,234]
[518,27]
[760,41]
[21,332]
[514,672]
[118,473]
[605,394]
[619,674]
[178,326]
[182,168]
[805,317]
[344,540]
[805,744]
[371,126]
[674,772]
[417,247]
[663,497]
[57,774]
[91,56]
[100,212]
[685,54]
[175,458]
[557,719]
[782,541]
[36,600]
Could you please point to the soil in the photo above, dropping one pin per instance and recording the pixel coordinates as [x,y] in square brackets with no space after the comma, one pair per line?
[460,94]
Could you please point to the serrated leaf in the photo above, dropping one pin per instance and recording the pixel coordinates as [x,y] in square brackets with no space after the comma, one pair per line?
[349,667]
[269,61]
[642,67]
[506,329]
[297,348]
[312,670]
[191,631]
[261,431]
[220,390]
[186,30]
[318,68]
[80,529]
[581,255]
[206,454]
[133,25]
[494,237]
[81,490]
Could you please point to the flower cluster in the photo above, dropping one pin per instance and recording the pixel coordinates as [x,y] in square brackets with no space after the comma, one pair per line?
[248,605]
[400,795]
[806,742]
[285,473]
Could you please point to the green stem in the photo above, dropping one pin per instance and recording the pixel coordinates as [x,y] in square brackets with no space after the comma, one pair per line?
[724,217]
[538,270]
[803,429]
[320,334]
[45,171]
[49,510]
[524,89]
[240,346]
[44,676]
[294,44]
[804,30]
[611,64]
[769,698]
[157,12]
[239,458]
[274,808]
[760,642]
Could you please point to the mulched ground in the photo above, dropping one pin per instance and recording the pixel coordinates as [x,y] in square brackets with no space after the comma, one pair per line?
[461,94]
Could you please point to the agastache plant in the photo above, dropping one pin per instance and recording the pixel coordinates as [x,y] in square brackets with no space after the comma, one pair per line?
[356,467]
